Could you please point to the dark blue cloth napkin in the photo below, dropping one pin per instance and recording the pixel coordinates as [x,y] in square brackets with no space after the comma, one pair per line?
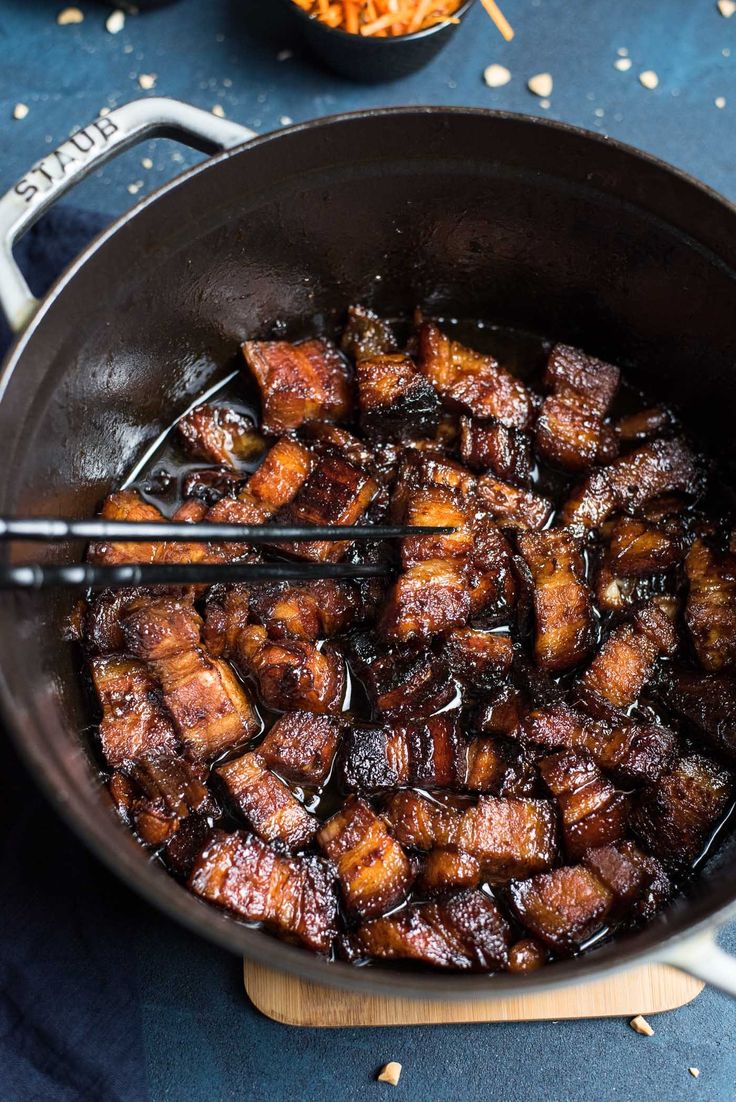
[69,1011]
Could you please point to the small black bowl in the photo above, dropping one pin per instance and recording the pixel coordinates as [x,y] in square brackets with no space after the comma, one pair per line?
[373,60]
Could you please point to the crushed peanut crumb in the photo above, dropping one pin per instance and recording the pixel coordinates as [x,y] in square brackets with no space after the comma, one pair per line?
[496,76]
[695,1072]
[68,16]
[20,111]
[286,120]
[639,1024]
[727,8]
[136,187]
[104,111]
[720,101]
[219,111]
[147,162]
[623,64]
[541,85]
[390,1073]
[147,81]
[649,79]
[115,22]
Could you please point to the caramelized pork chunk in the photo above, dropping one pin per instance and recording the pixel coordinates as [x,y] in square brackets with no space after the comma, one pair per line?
[366,334]
[309,610]
[220,434]
[636,548]
[498,766]
[502,713]
[284,470]
[593,813]
[373,869]
[627,659]
[570,371]
[562,605]
[269,807]
[632,752]
[298,382]
[478,658]
[301,746]
[102,631]
[447,869]
[336,493]
[643,425]
[707,700]
[395,399]
[564,907]
[512,507]
[623,868]
[571,431]
[436,506]
[472,382]
[406,684]
[427,753]
[662,467]
[227,614]
[155,795]
[489,446]
[158,627]
[295,896]
[134,722]
[510,836]
[710,612]
[422,470]
[292,675]
[675,817]
[428,599]
[126,505]
[491,579]
[466,933]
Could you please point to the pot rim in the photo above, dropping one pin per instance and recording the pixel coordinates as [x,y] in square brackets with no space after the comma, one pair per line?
[160,889]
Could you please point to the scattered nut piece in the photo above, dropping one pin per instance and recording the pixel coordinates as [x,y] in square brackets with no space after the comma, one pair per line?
[496,76]
[68,16]
[136,187]
[147,162]
[104,111]
[286,120]
[20,110]
[727,8]
[695,1072]
[623,64]
[219,111]
[649,79]
[115,22]
[545,103]
[641,1025]
[720,101]
[540,85]
[390,1073]
[147,81]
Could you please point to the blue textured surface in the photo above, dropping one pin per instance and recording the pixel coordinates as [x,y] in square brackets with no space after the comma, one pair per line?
[147,1010]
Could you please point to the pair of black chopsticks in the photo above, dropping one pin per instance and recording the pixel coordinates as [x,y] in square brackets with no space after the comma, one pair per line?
[90,576]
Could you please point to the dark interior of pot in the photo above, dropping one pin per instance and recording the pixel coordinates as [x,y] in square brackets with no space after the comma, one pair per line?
[467,214]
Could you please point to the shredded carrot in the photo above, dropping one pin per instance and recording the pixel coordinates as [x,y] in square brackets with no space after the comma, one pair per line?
[380,18]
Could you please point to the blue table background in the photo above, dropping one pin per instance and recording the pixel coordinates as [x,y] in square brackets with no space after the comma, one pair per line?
[100,997]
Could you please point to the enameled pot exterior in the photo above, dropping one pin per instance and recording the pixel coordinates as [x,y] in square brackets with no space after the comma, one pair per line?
[521,222]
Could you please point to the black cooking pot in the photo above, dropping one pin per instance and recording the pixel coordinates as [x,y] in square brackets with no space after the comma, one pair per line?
[525,223]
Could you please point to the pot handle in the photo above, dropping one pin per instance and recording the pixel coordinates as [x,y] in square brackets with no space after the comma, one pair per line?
[701,956]
[79,155]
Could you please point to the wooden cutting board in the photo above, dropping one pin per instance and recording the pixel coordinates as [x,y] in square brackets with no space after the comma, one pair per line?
[646,990]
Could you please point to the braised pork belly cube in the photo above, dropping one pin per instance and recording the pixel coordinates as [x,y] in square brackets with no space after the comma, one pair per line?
[428,753]
[366,334]
[624,869]
[502,713]
[220,434]
[102,631]
[447,869]
[436,506]
[134,722]
[633,753]
[571,436]
[593,813]
[491,580]
[227,613]
[154,795]
[269,807]
[510,836]
[645,424]
[284,470]
[562,606]
[301,746]
[428,599]
[292,675]
[157,627]
[636,548]
[373,870]
[404,684]
[294,896]
[564,907]
[627,484]
[395,399]
[336,493]
[675,817]
[427,469]
[298,382]
[126,505]
[710,612]
[472,382]
[627,659]
[511,506]
[499,766]
[180,852]
[489,446]
[571,371]
[478,658]
[309,610]
[707,700]
[466,933]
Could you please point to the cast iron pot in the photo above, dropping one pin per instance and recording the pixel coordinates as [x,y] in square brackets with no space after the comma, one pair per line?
[522,222]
